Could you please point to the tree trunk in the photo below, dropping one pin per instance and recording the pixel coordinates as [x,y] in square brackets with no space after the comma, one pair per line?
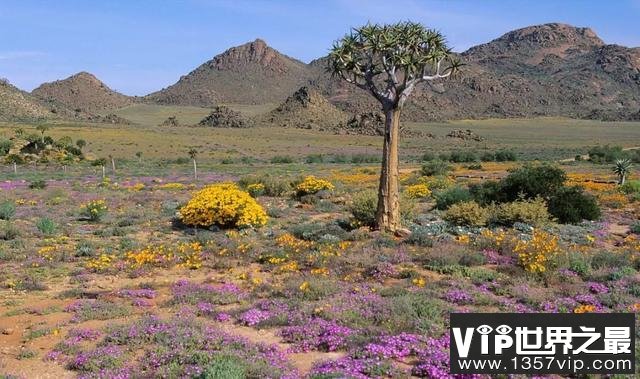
[388,212]
[195,170]
[623,178]
[113,165]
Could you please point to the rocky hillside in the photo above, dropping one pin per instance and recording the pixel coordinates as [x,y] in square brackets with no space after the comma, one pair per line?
[545,70]
[17,105]
[306,109]
[252,73]
[224,117]
[83,92]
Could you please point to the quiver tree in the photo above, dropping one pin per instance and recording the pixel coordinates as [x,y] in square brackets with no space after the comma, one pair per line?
[389,61]
[193,153]
[622,168]
[42,129]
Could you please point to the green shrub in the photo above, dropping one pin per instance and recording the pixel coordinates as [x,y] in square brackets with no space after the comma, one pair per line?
[339,158]
[273,186]
[473,258]
[635,227]
[314,158]
[468,213]
[532,212]
[38,184]
[462,156]
[280,159]
[317,231]
[14,158]
[571,205]
[532,181]
[224,366]
[94,210]
[506,156]
[5,146]
[46,226]
[453,195]
[434,168]
[606,259]
[420,237]
[364,158]
[9,232]
[7,210]
[606,154]
[487,192]
[631,187]
[487,157]
[85,249]
[428,157]
[363,207]
[415,312]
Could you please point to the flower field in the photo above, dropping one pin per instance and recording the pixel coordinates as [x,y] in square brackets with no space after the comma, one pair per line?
[274,274]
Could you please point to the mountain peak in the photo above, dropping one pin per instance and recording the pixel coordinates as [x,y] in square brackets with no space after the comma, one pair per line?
[554,34]
[84,75]
[533,45]
[82,91]
[252,73]
[256,53]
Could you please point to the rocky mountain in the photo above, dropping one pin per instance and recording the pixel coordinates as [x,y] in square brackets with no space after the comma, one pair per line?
[544,70]
[224,117]
[84,93]
[17,105]
[306,109]
[253,73]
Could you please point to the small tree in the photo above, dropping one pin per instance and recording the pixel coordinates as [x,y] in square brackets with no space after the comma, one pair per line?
[193,153]
[100,163]
[81,144]
[42,129]
[389,61]
[622,168]
[113,163]
[139,155]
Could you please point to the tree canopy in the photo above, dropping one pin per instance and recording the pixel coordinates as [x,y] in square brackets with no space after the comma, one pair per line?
[389,60]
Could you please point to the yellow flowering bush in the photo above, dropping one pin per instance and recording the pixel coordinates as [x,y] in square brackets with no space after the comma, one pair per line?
[255,189]
[533,212]
[418,191]
[437,183]
[171,186]
[136,187]
[292,244]
[188,255]
[47,252]
[490,239]
[310,185]
[223,205]
[535,254]
[467,213]
[419,282]
[613,200]
[94,210]
[101,263]
[585,308]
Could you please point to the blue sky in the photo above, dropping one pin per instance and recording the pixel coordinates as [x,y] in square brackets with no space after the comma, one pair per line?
[139,46]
